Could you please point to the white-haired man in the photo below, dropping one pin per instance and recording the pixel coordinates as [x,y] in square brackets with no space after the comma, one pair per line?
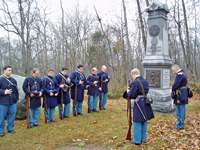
[179,94]
[93,81]
[103,76]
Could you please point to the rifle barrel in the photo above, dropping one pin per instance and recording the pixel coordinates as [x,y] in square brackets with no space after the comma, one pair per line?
[28,108]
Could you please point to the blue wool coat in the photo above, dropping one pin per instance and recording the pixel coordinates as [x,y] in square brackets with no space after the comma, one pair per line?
[66,97]
[75,77]
[181,95]
[7,99]
[104,84]
[90,80]
[50,86]
[136,90]
[35,84]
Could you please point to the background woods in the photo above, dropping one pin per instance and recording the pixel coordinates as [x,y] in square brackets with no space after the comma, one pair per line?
[33,39]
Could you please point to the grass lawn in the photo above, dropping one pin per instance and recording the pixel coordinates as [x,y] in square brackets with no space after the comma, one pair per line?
[106,130]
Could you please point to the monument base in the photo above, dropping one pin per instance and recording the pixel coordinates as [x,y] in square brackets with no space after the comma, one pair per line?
[162,102]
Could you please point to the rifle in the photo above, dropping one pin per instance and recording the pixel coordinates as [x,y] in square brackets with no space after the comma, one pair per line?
[128,137]
[89,91]
[100,106]
[28,108]
[61,103]
[45,105]
[75,99]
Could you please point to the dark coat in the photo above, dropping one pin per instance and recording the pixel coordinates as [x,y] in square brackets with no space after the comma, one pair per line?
[50,86]
[66,98]
[75,77]
[94,88]
[136,90]
[7,99]
[104,84]
[179,93]
[35,85]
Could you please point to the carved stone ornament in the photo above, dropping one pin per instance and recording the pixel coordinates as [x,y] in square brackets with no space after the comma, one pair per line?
[154,30]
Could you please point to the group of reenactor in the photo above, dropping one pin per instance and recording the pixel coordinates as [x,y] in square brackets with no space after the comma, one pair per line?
[55,91]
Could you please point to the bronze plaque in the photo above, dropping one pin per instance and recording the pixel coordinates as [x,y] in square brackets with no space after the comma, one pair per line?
[153,77]
[154,30]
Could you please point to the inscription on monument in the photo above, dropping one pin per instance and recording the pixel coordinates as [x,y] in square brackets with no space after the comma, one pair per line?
[154,30]
[153,77]
[166,78]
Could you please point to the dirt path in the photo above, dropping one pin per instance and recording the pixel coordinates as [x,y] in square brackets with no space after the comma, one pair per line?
[85,147]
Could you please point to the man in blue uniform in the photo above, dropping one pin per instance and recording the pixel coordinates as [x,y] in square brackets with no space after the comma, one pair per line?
[93,81]
[179,94]
[35,93]
[105,79]
[64,83]
[51,88]
[78,79]
[8,100]
[142,112]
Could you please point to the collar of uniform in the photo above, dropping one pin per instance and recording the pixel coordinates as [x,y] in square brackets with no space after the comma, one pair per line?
[93,74]
[137,77]
[7,77]
[179,70]
[33,77]
[102,72]
[49,77]
[79,72]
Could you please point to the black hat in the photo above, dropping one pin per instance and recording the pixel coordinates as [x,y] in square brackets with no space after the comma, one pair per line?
[125,95]
[13,87]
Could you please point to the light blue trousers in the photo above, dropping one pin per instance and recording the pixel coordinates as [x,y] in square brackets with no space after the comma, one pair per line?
[103,100]
[182,114]
[50,114]
[78,106]
[93,101]
[34,116]
[10,112]
[139,132]
[66,110]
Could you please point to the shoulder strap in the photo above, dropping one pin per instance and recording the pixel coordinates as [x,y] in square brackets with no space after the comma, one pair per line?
[80,73]
[63,77]
[141,86]
[184,74]
[7,79]
[35,81]
[50,80]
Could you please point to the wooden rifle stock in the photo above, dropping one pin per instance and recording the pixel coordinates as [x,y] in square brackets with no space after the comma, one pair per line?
[61,103]
[100,106]
[128,137]
[45,105]
[75,99]
[89,91]
[28,108]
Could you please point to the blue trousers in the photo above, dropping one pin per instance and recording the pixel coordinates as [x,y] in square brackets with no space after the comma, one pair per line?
[10,112]
[78,106]
[50,114]
[139,132]
[103,99]
[65,111]
[182,114]
[34,116]
[93,101]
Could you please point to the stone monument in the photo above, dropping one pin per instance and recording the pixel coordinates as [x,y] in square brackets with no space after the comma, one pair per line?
[21,104]
[157,63]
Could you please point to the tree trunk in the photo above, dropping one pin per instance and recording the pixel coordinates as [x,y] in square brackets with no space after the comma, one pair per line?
[142,25]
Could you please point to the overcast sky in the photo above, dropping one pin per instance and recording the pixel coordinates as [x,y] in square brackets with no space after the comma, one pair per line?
[107,9]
